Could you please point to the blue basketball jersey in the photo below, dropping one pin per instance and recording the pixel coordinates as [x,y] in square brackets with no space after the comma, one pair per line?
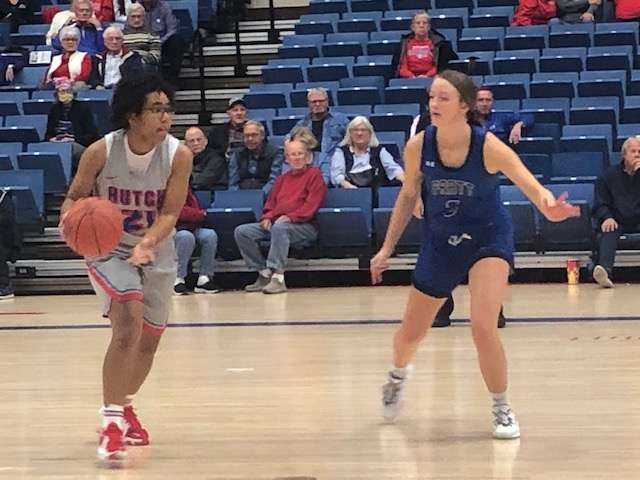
[464,220]
[464,198]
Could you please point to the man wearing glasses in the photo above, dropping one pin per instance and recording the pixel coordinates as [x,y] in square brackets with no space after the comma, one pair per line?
[144,171]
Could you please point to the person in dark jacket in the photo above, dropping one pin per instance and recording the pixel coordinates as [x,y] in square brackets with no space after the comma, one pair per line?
[229,137]
[616,208]
[257,164]
[422,53]
[16,13]
[576,11]
[115,62]
[190,232]
[210,169]
[10,242]
[70,121]
[11,62]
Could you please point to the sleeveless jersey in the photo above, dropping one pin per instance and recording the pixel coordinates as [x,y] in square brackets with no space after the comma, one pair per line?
[139,194]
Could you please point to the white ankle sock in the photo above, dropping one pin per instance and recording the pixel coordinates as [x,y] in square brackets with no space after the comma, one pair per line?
[178,281]
[202,279]
[278,276]
[112,414]
[500,400]
[265,272]
[399,373]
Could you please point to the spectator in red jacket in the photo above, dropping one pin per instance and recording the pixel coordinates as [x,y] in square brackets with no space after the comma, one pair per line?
[287,219]
[533,12]
[627,10]
[190,232]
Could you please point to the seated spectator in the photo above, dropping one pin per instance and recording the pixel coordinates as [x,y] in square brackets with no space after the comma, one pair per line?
[103,10]
[229,137]
[360,160]
[189,233]
[423,52]
[533,12]
[120,9]
[90,29]
[71,63]
[70,121]
[287,219]
[616,208]
[161,20]
[576,11]
[140,39]
[257,164]
[327,126]
[58,21]
[16,13]
[12,64]
[627,10]
[210,169]
[506,126]
[115,62]
[10,242]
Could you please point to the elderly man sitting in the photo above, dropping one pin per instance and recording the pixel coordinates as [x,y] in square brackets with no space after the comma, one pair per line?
[115,62]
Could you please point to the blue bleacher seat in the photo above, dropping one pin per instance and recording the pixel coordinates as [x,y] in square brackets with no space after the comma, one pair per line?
[577,167]
[525,224]
[556,84]
[491,17]
[363,15]
[618,57]
[31,76]
[572,234]
[352,111]
[328,6]
[516,61]
[315,28]
[518,38]
[411,237]
[382,47]
[14,97]
[573,35]
[586,138]
[497,3]
[552,130]
[420,82]
[358,95]
[509,86]
[618,33]
[230,209]
[391,122]
[368,6]
[286,112]
[563,59]
[282,73]
[404,95]
[39,122]
[410,4]
[449,18]
[481,39]
[40,29]
[631,110]
[27,39]
[376,65]
[6,163]
[340,49]
[30,194]
[590,110]
[473,63]
[309,39]
[8,108]
[395,23]
[282,125]
[346,26]
[539,164]
[61,149]
[270,88]
[37,107]
[299,51]
[602,83]
[547,110]
[329,69]
[391,35]
[537,145]
[264,113]
[393,142]
[288,62]
[397,108]
[55,178]
[265,100]
[319,17]
[345,218]
[371,81]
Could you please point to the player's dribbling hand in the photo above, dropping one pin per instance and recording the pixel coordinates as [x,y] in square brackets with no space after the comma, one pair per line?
[143,253]
[378,265]
[418,210]
[557,210]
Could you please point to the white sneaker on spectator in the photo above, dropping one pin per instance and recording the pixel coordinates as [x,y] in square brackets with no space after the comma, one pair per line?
[505,425]
[601,276]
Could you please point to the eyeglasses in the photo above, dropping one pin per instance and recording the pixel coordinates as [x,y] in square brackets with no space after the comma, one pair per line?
[159,110]
[69,39]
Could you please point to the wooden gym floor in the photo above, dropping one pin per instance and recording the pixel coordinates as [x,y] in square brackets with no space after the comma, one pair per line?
[257,387]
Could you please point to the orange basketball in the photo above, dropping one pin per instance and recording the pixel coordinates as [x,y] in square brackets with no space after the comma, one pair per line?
[93,227]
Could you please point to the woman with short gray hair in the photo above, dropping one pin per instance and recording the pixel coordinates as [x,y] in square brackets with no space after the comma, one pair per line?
[72,64]
[360,160]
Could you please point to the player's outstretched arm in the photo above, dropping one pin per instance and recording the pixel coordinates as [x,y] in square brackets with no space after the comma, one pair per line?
[500,158]
[90,166]
[403,207]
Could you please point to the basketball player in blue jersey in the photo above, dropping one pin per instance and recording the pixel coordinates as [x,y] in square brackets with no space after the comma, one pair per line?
[454,165]
[145,172]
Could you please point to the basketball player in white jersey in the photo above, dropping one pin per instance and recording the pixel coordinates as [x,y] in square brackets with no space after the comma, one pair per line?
[145,172]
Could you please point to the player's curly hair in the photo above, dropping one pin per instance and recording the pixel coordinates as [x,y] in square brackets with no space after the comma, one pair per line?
[131,93]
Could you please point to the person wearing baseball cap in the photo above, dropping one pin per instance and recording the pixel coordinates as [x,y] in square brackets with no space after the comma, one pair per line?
[229,137]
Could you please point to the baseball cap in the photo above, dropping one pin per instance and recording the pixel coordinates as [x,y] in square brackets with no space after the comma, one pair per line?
[236,101]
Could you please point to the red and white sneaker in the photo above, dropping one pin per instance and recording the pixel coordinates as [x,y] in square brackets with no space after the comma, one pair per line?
[135,433]
[110,443]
